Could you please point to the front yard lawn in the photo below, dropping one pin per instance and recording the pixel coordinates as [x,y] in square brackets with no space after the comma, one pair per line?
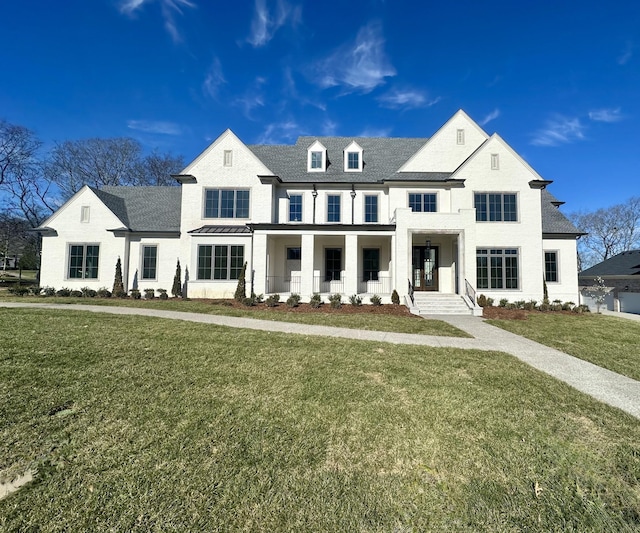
[609,342]
[143,424]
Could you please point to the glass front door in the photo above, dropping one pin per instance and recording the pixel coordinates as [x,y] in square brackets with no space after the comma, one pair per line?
[425,268]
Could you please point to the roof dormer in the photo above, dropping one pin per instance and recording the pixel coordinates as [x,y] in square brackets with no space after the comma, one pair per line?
[316,158]
[353,158]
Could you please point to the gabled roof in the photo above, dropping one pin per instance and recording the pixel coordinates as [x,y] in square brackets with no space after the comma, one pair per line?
[145,209]
[382,157]
[553,221]
[624,264]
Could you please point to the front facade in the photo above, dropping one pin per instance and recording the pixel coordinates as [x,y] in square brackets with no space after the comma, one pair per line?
[457,212]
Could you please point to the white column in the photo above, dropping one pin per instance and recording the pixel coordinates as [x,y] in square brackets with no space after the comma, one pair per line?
[306,266]
[259,263]
[351,265]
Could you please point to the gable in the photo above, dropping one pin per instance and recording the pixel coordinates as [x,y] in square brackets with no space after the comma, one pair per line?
[449,147]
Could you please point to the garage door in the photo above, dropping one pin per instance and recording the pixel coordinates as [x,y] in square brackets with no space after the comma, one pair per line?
[629,302]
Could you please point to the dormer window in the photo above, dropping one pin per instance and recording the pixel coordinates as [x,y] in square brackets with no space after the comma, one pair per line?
[316,158]
[353,158]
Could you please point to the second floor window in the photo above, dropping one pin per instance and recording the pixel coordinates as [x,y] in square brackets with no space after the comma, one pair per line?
[333,208]
[353,160]
[496,207]
[370,208]
[316,159]
[226,203]
[295,208]
[423,202]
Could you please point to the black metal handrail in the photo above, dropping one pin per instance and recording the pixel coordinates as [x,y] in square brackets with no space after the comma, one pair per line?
[411,292]
[470,292]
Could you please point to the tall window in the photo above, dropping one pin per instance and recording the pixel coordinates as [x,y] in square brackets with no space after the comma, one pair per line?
[423,202]
[220,261]
[333,208]
[149,261]
[333,264]
[83,261]
[295,208]
[370,264]
[316,159]
[551,266]
[497,268]
[370,208]
[496,207]
[226,203]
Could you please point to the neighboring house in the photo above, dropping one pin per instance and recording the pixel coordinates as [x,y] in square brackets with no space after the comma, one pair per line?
[621,273]
[351,215]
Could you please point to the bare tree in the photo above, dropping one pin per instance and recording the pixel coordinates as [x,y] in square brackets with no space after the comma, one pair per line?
[156,169]
[610,231]
[18,149]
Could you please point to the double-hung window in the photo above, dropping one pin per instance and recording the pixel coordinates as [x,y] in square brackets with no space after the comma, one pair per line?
[83,261]
[423,202]
[370,264]
[496,207]
[371,208]
[551,266]
[353,160]
[316,160]
[295,208]
[333,264]
[149,261]
[220,262]
[226,203]
[333,208]
[497,268]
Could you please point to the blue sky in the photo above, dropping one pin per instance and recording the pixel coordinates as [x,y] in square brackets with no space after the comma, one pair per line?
[558,80]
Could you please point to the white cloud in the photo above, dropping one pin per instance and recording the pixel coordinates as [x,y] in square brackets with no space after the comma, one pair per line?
[252,99]
[329,127]
[491,116]
[626,54]
[265,24]
[359,66]
[279,133]
[375,132]
[407,99]
[169,8]
[214,79]
[606,115]
[559,130]
[155,126]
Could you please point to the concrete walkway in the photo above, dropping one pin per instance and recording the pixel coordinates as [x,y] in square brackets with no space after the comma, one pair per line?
[611,388]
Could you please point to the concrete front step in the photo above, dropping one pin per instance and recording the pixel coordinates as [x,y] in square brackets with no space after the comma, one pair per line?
[440,304]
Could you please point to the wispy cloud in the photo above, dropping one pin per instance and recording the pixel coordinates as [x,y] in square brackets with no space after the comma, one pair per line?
[358,66]
[559,130]
[329,127]
[626,54]
[606,115]
[155,126]
[279,132]
[169,9]
[375,132]
[265,24]
[252,99]
[214,79]
[491,116]
[407,99]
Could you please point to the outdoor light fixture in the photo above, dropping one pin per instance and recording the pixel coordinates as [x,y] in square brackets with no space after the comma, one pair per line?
[428,244]
[314,192]
[353,192]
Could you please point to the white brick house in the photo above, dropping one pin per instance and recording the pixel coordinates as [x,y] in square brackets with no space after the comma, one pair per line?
[346,215]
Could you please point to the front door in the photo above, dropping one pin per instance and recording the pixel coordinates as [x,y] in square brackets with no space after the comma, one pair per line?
[425,268]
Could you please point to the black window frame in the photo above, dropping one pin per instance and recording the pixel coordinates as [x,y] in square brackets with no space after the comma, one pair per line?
[423,202]
[149,263]
[227,203]
[332,264]
[295,208]
[221,262]
[371,208]
[551,273]
[370,264]
[496,206]
[334,213]
[83,265]
[498,268]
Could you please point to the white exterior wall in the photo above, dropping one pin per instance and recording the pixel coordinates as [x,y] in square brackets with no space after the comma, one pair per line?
[168,254]
[566,289]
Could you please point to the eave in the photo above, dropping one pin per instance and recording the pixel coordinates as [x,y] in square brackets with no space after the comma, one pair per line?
[45,231]
[269,180]
[322,227]
[540,184]
[184,178]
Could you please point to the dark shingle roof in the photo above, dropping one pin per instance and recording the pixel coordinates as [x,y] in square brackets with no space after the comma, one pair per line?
[553,221]
[221,229]
[144,208]
[623,264]
[382,157]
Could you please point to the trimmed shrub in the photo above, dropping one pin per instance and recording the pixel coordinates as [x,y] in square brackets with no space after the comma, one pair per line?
[248,302]
[241,288]
[49,291]
[395,297]
[293,300]
[135,294]
[376,300]
[272,300]
[519,304]
[503,302]
[76,294]
[335,300]
[149,294]
[315,301]
[257,299]
[118,287]
[490,302]
[18,290]
[103,292]
[356,300]
[482,300]
[163,294]
[88,293]
[34,291]
[530,305]
[64,292]
[568,306]
[176,288]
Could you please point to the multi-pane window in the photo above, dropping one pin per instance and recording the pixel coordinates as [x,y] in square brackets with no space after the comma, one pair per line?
[294,253]
[220,261]
[551,266]
[333,208]
[353,160]
[226,203]
[423,202]
[370,208]
[295,208]
[333,264]
[497,268]
[316,160]
[149,262]
[83,261]
[370,264]
[496,207]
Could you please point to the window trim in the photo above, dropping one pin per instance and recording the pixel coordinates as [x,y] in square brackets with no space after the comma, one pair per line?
[422,193]
[556,263]
[339,196]
[504,267]
[155,268]
[487,204]
[84,261]
[235,203]
[212,266]
[301,196]
[353,148]
[317,147]
[364,208]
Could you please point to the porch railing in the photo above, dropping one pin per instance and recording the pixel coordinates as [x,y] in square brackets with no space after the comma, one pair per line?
[278,284]
[470,292]
[411,292]
[321,285]
[382,285]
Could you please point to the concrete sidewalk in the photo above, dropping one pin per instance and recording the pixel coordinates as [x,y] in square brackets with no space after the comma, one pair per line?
[611,388]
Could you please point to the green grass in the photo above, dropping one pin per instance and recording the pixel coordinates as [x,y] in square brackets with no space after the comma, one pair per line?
[609,342]
[141,424]
[400,324]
